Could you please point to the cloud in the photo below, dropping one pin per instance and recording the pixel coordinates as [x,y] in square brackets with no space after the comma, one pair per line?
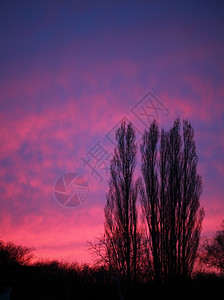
[67,81]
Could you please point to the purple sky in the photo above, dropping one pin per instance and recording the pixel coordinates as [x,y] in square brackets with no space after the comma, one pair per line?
[69,72]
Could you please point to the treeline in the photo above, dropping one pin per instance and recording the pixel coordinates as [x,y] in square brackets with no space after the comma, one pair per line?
[52,279]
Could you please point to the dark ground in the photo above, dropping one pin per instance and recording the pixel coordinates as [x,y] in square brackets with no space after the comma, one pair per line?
[29,282]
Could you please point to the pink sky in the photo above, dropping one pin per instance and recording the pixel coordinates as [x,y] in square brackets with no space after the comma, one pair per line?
[69,73]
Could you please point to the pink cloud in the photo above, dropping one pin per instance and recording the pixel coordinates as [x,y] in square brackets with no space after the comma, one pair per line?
[65,230]
[63,127]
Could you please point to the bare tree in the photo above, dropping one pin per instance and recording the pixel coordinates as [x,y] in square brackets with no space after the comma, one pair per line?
[119,246]
[120,211]
[11,254]
[170,194]
[212,254]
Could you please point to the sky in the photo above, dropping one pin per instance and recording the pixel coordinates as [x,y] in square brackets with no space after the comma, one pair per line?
[70,71]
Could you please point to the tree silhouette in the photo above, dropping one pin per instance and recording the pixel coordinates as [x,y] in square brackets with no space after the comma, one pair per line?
[121,239]
[121,233]
[11,254]
[213,251]
[170,193]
